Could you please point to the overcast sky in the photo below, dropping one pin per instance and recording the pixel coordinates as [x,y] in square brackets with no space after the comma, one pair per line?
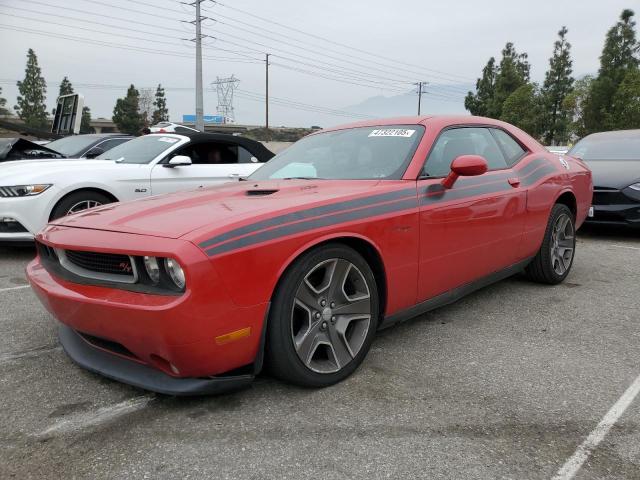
[340,53]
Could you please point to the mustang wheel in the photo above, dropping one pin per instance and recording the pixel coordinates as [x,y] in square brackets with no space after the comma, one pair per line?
[323,318]
[555,257]
[78,201]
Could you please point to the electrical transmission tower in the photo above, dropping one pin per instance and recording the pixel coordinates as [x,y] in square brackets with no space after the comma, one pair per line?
[225,88]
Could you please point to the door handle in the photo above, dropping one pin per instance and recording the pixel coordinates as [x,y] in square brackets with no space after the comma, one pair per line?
[514,182]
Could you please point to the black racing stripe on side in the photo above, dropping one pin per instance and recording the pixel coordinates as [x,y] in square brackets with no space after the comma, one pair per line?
[531,166]
[499,175]
[539,175]
[300,227]
[309,213]
[440,194]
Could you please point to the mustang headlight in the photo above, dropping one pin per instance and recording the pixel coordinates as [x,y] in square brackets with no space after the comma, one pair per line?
[175,272]
[23,190]
[635,186]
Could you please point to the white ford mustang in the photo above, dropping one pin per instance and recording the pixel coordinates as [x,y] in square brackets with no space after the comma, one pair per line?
[34,192]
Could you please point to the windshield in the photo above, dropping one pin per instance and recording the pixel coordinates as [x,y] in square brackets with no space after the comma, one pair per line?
[140,150]
[73,145]
[352,154]
[607,148]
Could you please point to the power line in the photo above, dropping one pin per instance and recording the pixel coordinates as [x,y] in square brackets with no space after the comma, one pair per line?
[273,22]
[111,44]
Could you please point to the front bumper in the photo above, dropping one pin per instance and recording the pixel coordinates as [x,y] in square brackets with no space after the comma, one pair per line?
[622,214]
[140,375]
[30,215]
[164,343]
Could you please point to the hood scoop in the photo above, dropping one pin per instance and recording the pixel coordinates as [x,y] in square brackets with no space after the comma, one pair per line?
[261,192]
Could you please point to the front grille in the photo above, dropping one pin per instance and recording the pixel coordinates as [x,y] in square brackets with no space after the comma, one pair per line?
[608,196]
[109,263]
[12,227]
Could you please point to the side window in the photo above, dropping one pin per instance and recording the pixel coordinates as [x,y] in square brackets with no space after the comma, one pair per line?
[512,149]
[463,141]
[109,144]
[211,153]
[245,156]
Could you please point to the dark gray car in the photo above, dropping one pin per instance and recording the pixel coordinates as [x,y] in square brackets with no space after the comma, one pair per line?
[614,159]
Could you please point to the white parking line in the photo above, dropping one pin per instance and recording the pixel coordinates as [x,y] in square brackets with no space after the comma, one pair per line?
[625,246]
[34,352]
[14,288]
[571,467]
[81,421]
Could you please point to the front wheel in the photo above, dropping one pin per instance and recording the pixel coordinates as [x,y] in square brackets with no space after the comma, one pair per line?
[324,317]
[78,201]
[554,259]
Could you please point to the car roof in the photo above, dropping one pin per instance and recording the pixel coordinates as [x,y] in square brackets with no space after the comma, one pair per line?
[253,146]
[420,120]
[616,134]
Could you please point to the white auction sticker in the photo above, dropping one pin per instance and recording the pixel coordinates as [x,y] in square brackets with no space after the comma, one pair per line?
[392,132]
[168,139]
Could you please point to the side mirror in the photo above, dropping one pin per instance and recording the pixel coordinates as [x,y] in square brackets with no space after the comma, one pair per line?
[465,166]
[177,161]
[94,152]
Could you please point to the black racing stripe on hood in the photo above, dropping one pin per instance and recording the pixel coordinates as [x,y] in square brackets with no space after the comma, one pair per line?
[326,221]
[309,213]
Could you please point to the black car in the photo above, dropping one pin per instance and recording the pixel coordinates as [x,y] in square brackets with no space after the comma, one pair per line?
[73,146]
[614,159]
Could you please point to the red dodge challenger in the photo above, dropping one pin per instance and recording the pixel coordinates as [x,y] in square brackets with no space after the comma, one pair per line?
[348,231]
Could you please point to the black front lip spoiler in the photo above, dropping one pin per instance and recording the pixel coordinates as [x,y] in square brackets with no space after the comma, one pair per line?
[143,376]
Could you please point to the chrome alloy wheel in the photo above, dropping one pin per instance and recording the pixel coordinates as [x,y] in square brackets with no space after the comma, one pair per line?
[331,315]
[562,244]
[83,205]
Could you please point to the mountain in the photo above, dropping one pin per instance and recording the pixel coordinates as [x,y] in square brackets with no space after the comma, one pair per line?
[433,102]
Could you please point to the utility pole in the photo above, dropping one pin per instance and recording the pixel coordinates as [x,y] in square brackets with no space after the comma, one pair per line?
[266,94]
[199,99]
[420,92]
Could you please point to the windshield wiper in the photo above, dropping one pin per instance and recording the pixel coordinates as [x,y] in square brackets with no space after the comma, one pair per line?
[302,178]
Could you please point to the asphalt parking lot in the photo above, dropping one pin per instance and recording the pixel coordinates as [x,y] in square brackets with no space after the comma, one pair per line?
[506,383]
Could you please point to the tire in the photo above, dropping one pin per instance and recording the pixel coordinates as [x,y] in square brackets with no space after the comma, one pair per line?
[309,342]
[75,200]
[553,262]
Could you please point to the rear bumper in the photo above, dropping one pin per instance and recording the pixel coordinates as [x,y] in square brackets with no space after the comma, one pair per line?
[140,375]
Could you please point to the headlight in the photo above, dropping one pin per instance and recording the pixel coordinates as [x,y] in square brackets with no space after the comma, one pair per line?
[152,268]
[635,186]
[175,272]
[22,190]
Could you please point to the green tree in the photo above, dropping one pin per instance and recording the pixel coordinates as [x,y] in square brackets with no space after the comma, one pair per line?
[161,112]
[478,103]
[523,108]
[513,72]
[126,113]
[558,83]
[626,102]
[66,88]
[619,56]
[31,106]
[85,121]
[574,104]
[3,102]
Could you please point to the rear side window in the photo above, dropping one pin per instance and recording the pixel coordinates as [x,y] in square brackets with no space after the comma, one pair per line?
[114,142]
[245,156]
[512,149]
[463,141]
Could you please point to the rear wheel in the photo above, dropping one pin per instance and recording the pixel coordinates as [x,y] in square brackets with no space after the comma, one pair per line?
[78,201]
[554,259]
[323,318]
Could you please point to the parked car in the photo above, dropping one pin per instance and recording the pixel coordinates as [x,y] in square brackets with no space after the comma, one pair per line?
[149,165]
[614,158]
[73,146]
[345,232]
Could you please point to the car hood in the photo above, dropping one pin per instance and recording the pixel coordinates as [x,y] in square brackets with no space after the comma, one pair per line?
[12,149]
[614,173]
[215,210]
